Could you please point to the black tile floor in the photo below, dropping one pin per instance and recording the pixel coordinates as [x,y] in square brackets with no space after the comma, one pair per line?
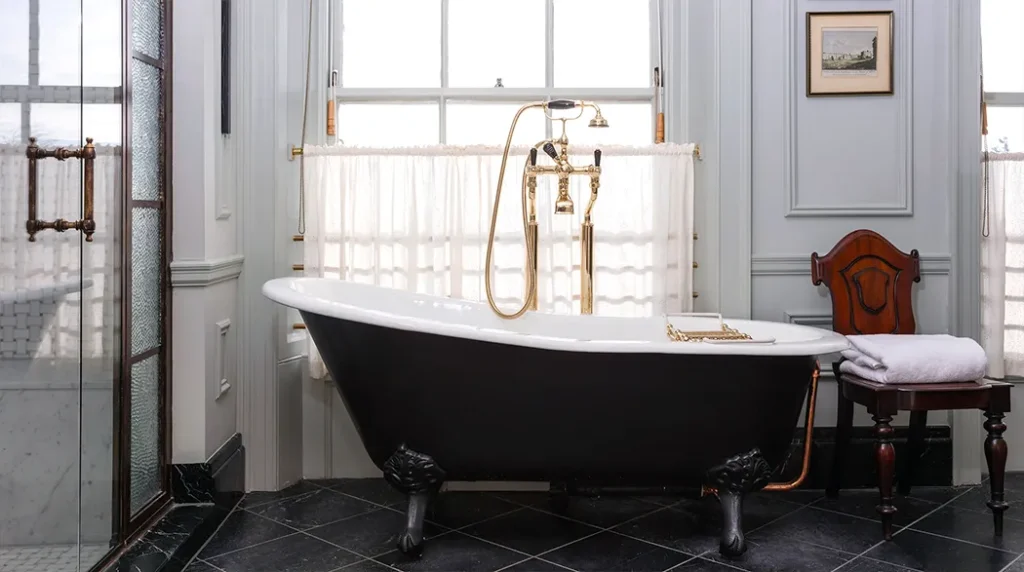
[351,526]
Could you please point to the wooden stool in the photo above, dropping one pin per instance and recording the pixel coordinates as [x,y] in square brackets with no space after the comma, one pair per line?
[870,282]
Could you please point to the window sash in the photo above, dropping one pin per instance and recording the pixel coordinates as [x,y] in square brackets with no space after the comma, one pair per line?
[490,94]
[1004,98]
[611,95]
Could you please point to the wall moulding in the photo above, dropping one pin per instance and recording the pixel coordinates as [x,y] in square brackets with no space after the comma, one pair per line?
[800,265]
[814,319]
[902,203]
[206,272]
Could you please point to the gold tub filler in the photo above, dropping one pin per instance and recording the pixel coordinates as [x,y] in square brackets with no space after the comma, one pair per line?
[558,150]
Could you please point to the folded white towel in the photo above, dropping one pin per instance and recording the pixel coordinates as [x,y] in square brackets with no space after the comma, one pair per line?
[932,358]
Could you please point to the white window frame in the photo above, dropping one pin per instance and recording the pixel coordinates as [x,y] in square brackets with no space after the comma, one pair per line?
[444,94]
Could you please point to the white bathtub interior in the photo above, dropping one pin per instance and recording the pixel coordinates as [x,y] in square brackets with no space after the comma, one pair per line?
[406,310]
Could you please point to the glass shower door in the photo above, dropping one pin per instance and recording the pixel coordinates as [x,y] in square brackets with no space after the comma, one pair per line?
[61,187]
[44,289]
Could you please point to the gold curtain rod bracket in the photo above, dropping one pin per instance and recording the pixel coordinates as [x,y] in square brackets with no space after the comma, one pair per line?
[296,151]
[298,267]
[696,152]
[298,238]
[695,265]
[695,236]
[696,294]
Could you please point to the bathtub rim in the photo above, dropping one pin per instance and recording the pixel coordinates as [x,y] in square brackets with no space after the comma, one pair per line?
[283,291]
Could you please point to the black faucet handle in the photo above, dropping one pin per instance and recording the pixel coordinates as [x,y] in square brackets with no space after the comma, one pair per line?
[550,150]
[597,157]
[561,104]
[533,157]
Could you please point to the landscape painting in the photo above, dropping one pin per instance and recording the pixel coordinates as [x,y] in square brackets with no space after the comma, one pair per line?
[849,53]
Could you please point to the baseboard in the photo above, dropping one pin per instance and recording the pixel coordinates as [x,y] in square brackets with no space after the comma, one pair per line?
[203,494]
[935,467]
[220,480]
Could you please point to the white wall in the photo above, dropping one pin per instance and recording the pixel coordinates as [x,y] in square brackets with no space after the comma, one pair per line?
[205,259]
[826,166]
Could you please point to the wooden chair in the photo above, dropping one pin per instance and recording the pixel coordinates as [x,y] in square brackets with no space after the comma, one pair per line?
[870,282]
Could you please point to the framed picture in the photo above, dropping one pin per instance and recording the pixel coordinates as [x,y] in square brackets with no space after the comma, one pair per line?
[849,53]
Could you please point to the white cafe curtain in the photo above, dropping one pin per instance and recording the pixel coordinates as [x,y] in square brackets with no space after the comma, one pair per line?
[417,219]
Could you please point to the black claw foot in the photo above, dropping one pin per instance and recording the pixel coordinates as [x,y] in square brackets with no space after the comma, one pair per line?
[419,477]
[733,479]
[410,545]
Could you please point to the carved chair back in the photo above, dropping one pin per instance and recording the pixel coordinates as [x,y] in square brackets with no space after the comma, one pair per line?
[870,283]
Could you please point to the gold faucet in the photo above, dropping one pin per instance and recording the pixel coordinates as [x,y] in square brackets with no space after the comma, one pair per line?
[558,150]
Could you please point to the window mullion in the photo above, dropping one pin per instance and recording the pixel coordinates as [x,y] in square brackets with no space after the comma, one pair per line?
[549,55]
[442,111]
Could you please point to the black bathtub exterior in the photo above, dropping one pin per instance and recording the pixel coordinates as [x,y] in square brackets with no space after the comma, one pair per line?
[431,408]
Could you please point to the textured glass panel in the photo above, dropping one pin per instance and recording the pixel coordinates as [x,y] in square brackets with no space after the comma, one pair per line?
[1006,129]
[56,124]
[145,431]
[148,27]
[147,279]
[60,42]
[147,132]
[488,124]
[480,52]
[628,124]
[390,43]
[1002,44]
[361,123]
[602,43]
[10,123]
[14,42]
[101,43]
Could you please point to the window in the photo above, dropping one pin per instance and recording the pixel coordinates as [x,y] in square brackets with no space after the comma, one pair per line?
[416,72]
[1003,72]
[1002,223]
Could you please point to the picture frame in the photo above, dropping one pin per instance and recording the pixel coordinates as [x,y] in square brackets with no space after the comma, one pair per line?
[850,53]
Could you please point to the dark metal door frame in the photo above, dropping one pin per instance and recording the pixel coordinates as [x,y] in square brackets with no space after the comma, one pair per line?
[128,526]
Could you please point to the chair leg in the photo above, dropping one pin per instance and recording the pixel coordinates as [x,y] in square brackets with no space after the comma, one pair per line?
[885,456]
[915,448]
[995,454]
[844,423]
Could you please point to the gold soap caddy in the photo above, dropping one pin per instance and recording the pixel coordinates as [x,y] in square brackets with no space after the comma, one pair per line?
[723,333]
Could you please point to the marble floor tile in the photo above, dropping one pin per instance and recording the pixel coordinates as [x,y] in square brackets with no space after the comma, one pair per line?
[344,525]
[930,553]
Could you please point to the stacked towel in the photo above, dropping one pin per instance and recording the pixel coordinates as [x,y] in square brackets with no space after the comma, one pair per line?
[892,358]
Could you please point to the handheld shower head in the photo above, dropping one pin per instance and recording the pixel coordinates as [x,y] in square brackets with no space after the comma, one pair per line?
[598,120]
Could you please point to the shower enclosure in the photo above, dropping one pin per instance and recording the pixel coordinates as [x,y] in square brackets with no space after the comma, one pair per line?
[84,322]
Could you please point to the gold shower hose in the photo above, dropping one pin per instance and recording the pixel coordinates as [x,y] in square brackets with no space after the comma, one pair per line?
[531,277]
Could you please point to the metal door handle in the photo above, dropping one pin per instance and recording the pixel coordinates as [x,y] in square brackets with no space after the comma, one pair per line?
[88,156]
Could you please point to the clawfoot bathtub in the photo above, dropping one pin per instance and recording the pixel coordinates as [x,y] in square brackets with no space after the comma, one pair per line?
[444,389]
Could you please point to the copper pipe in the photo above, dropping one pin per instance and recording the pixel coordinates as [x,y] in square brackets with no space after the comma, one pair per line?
[808,437]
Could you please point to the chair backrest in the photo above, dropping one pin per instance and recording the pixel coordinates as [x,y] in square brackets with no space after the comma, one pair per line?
[870,282]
